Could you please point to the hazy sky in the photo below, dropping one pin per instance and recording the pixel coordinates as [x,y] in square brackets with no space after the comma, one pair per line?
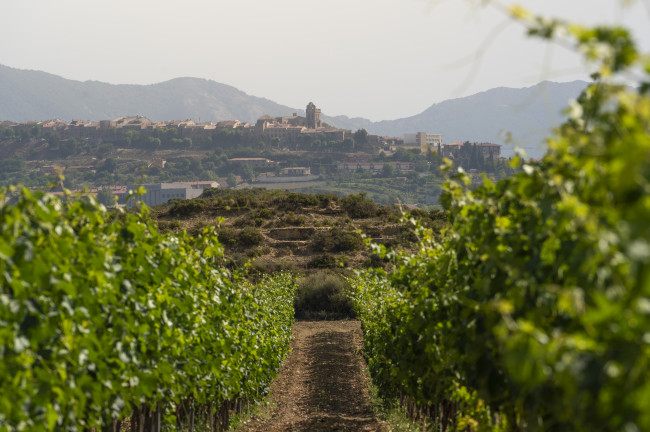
[379,59]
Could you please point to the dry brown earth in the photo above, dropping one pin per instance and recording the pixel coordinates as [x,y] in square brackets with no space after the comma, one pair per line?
[321,386]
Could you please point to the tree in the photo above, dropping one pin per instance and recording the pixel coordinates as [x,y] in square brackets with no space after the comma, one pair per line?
[68,147]
[195,166]
[231,180]
[10,165]
[6,133]
[182,165]
[131,137]
[489,164]
[36,131]
[361,136]
[50,136]
[421,165]
[348,144]
[109,165]
[153,143]
[104,149]
[403,155]
[106,197]
[247,173]
[23,135]
[387,170]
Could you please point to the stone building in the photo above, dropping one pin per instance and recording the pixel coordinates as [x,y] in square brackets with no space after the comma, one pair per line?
[423,141]
[352,167]
[428,142]
[487,149]
[296,171]
[313,116]
[160,193]
[252,162]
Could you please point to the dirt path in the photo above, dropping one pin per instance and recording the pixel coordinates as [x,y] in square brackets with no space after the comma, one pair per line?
[321,386]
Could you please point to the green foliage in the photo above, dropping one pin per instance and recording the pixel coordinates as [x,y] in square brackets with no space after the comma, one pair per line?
[106,197]
[357,206]
[292,219]
[7,133]
[105,149]
[323,261]
[264,214]
[337,240]
[183,207]
[227,236]
[250,236]
[10,165]
[231,180]
[387,170]
[533,312]
[102,313]
[361,136]
[323,295]
[293,201]
[247,174]
[209,193]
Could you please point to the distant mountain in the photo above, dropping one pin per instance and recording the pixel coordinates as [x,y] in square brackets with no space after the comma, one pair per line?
[528,113]
[31,95]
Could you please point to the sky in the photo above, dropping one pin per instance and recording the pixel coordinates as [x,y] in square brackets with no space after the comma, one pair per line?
[377,59]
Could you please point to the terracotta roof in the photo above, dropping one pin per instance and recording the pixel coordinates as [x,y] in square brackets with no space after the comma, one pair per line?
[487,144]
[481,144]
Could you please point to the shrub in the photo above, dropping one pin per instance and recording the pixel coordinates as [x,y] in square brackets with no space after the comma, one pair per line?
[186,207]
[254,253]
[250,236]
[227,236]
[292,219]
[166,226]
[375,261]
[323,295]
[210,193]
[326,199]
[295,201]
[359,207]
[337,240]
[264,214]
[322,261]
[242,222]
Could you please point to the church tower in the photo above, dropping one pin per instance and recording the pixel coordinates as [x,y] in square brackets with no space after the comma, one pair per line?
[313,116]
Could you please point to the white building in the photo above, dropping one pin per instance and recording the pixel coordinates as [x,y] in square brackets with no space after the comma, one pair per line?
[375,167]
[425,141]
[160,193]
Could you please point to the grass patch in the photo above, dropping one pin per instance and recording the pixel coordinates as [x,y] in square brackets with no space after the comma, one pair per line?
[260,410]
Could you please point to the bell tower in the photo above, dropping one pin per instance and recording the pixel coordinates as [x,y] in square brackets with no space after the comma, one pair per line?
[313,116]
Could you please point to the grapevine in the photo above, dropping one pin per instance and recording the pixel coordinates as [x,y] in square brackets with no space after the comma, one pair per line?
[102,316]
[532,312]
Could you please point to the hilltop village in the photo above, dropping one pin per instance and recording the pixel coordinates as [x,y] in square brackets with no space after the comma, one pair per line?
[178,159]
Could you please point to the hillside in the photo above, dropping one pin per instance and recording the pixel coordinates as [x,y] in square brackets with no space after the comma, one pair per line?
[527,113]
[32,95]
[283,230]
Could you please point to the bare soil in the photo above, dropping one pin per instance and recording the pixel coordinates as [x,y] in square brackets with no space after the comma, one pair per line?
[321,386]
